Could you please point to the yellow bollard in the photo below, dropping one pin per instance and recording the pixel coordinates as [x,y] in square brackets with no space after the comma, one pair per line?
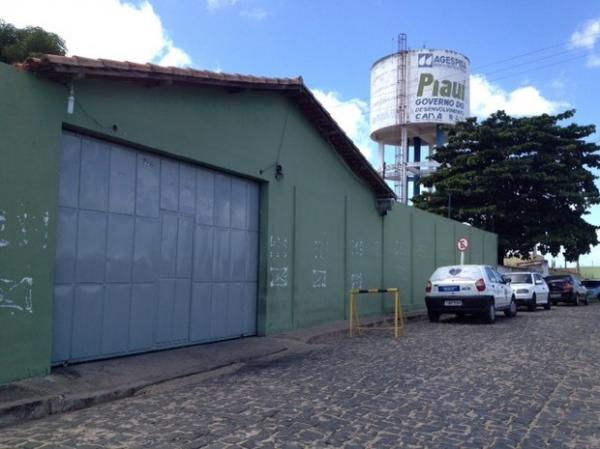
[354,323]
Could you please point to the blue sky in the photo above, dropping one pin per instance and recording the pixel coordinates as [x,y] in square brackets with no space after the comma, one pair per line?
[332,45]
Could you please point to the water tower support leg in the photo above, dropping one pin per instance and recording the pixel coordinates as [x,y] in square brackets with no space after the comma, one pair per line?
[404,163]
[417,158]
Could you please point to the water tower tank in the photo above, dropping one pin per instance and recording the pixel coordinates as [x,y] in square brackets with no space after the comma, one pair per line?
[413,92]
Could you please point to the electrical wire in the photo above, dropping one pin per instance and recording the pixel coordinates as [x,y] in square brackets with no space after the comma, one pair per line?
[537,68]
[539,50]
[91,117]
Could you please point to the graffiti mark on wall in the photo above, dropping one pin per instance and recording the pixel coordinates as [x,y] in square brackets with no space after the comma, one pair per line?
[319,278]
[3,242]
[357,247]
[278,247]
[22,228]
[356,280]
[320,249]
[16,295]
[46,221]
[279,276]
[278,253]
[21,224]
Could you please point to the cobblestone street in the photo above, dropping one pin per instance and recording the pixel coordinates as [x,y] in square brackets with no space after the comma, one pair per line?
[528,382]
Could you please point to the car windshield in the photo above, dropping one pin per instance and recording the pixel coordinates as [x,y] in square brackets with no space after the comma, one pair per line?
[591,284]
[457,272]
[521,278]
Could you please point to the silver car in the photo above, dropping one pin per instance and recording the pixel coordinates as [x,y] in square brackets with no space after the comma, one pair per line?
[530,290]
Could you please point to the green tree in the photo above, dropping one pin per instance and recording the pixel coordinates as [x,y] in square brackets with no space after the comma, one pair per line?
[527,179]
[17,44]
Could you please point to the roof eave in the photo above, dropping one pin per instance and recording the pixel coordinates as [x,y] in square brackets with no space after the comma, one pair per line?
[64,68]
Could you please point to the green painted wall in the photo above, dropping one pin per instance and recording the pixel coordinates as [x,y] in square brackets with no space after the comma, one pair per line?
[29,144]
[417,242]
[320,233]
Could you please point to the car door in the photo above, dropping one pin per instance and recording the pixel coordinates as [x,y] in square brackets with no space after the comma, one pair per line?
[504,288]
[540,288]
[495,287]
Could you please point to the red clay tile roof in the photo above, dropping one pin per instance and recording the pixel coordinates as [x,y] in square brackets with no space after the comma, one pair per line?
[65,67]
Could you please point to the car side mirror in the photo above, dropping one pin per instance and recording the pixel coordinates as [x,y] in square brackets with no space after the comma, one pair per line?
[506,280]
[539,282]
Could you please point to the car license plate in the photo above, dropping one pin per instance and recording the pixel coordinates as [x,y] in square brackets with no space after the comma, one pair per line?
[453,302]
[449,288]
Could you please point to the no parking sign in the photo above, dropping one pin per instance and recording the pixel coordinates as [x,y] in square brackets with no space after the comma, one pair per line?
[462,244]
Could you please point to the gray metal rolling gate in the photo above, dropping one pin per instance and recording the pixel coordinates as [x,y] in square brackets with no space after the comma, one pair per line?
[151,253]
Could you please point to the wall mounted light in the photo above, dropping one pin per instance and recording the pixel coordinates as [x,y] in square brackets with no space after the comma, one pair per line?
[384,205]
[71,100]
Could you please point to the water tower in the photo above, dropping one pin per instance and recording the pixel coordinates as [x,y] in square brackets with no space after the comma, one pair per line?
[414,93]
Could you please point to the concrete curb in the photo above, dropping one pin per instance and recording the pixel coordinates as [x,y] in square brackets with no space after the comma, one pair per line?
[38,403]
[17,412]
[26,410]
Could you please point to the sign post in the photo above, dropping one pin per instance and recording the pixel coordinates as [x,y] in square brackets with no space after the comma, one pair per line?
[463,245]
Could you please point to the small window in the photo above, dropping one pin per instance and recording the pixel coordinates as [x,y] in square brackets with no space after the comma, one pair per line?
[456,272]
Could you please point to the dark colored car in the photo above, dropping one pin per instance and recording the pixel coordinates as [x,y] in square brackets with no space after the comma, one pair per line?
[566,288]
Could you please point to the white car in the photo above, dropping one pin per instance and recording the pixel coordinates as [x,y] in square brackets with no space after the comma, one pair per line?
[530,290]
[469,289]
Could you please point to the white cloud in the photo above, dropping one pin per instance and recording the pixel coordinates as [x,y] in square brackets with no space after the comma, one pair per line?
[175,57]
[487,98]
[109,29]
[213,5]
[593,61]
[587,36]
[254,14]
[351,115]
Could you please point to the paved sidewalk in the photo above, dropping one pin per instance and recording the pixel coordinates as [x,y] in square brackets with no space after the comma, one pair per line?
[79,386]
[87,384]
[528,382]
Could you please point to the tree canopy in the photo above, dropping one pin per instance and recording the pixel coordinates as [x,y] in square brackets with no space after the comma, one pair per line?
[17,44]
[527,179]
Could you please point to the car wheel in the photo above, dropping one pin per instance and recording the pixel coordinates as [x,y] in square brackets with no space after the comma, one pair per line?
[586,301]
[434,317]
[576,302]
[533,304]
[490,313]
[548,305]
[512,309]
